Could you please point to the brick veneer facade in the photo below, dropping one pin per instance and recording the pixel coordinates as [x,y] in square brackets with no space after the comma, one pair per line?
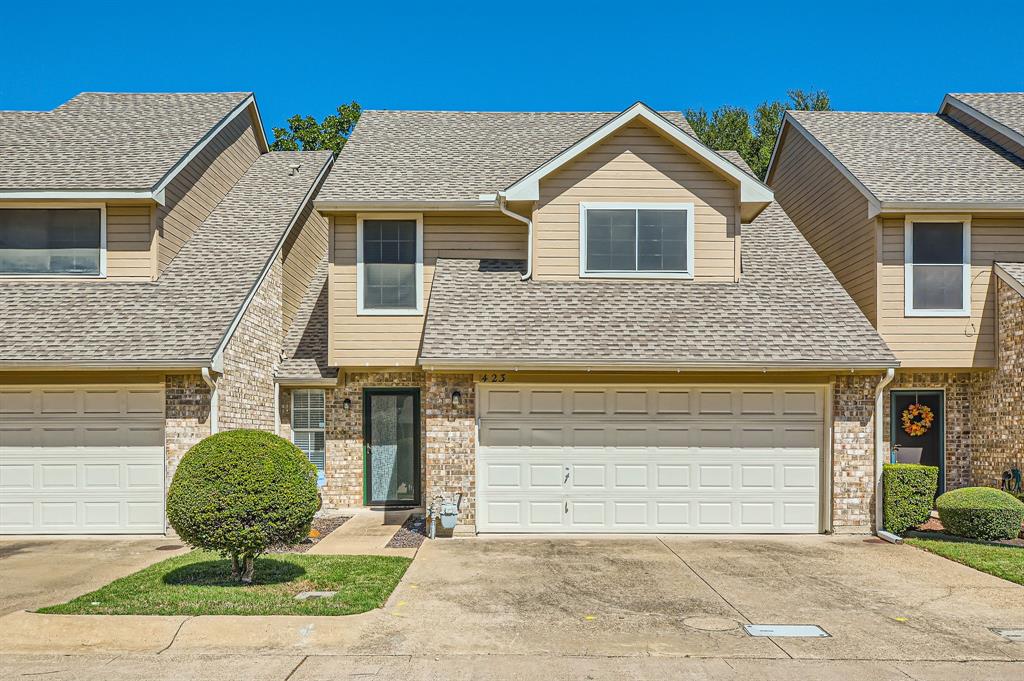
[853,453]
[187,417]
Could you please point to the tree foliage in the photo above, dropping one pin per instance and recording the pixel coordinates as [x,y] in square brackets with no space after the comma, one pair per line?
[305,133]
[752,134]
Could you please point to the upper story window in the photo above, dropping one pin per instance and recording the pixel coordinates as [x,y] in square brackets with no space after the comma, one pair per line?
[650,240]
[308,425]
[52,242]
[937,266]
[389,264]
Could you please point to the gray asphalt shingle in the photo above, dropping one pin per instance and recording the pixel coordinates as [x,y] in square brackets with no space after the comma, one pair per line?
[912,157]
[184,315]
[787,308]
[106,141]
[305,346]
[453,155]
[1005,107]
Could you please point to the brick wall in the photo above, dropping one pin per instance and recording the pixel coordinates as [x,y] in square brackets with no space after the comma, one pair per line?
[246,390]
[853,453]
[998,397]
[450,451]
[187,406]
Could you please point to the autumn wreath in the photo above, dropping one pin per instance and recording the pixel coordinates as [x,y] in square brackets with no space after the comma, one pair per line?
[917,419]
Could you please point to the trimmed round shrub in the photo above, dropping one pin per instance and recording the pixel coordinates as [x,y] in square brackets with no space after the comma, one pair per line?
[980,513]
[909,493]
[240,491]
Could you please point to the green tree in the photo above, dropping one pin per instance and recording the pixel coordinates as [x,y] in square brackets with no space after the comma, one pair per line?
[752,134]
[305,133]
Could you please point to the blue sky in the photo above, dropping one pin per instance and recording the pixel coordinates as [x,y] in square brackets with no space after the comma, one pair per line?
[520,56]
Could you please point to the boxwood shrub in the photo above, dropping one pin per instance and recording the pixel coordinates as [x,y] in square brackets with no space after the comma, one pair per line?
[240,491]
[909,491]
[981,513]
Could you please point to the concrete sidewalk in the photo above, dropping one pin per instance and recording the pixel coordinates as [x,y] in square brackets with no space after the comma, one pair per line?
[366,533]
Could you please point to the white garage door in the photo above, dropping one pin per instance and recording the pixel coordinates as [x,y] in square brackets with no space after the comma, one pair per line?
[649,459]
[81,459]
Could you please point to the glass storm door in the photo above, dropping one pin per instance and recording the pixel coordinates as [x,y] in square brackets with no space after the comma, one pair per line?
[391,431]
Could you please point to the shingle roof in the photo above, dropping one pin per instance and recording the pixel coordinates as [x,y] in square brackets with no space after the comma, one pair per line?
[788,308]
[453,155]
[106,141]
[305,346]
[1004,107]
[184,315]
[1015,270]
[910,157]
[737,160]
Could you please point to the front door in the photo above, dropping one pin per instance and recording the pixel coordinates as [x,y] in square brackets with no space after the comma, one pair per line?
[391,431]
[927,448]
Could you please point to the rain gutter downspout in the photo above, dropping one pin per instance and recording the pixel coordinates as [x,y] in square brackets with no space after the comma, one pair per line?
[210,378]
[500,199]
[880,459]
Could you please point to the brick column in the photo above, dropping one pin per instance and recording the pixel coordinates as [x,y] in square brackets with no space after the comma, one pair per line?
[853,453]
[450,447]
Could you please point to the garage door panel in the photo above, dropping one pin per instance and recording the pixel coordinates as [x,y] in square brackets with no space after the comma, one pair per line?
[81,459]
[717,459]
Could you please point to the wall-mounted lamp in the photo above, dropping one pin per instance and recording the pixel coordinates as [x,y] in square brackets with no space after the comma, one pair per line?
[456,398]
[347,404]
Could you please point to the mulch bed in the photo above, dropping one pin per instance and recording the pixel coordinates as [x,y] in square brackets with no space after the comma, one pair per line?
[411,534]
[933,526]
[322,526]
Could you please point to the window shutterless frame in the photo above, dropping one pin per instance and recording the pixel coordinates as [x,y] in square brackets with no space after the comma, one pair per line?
[361,270]
[306,404]
[102,208]
[636,274]
[908,266]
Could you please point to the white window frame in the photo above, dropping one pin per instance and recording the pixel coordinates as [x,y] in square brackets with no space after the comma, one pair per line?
[908,266]
[633,274]
[321,429]
[69,206]
[389,312]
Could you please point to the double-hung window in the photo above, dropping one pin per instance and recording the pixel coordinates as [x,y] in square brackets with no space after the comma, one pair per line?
[389,264]
[651,240]
[937,266]
[308,425]
[65,242]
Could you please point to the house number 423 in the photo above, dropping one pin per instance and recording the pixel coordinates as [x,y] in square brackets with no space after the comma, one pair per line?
[492,378]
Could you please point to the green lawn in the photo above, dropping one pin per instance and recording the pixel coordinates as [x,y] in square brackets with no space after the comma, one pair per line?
[995,559]
[199,583]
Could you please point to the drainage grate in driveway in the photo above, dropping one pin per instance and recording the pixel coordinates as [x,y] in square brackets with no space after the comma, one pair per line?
[1015,635]
[786,630]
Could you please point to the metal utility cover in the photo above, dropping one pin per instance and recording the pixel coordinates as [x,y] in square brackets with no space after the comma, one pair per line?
[1015,635]
[786,630]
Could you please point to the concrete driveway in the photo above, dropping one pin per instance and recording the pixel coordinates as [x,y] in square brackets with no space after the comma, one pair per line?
[39,571]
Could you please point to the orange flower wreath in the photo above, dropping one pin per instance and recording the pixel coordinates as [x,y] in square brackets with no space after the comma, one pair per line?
[917,419]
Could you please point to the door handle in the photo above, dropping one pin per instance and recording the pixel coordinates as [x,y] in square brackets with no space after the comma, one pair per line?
[566,479]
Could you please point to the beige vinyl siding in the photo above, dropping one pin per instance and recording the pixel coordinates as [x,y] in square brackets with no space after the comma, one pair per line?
[947,342]
[357,341]
[130,242]
[200,186]
[305,247]
[636,164]
[986,130]
[831,213]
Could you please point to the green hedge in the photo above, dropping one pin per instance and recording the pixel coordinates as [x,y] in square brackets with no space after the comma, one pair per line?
[909,491]
[980,513]
[241,491]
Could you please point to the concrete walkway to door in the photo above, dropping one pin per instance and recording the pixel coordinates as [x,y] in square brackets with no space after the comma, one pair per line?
[366,533]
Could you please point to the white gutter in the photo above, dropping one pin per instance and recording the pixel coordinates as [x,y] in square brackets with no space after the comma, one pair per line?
[430,364]
[211,380]
[879,454]
[136,365]
[501,200]
[326,205]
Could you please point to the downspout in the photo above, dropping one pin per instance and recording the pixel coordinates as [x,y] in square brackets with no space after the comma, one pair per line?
[880,458]
[211,380]
[501,200]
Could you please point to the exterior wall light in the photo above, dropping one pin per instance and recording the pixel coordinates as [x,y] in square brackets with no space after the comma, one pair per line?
[456,398]
[347,404]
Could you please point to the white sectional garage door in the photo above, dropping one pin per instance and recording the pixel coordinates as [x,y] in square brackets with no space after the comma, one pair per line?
[649,459]
[81,459]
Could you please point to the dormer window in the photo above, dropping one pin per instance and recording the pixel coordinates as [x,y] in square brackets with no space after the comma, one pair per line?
[937,266]
[644,240]
[64,242]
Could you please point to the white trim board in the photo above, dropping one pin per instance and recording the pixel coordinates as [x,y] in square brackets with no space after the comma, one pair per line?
[637,274]
[752,191]
[361,310]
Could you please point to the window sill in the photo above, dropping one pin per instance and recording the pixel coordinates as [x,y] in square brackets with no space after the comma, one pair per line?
[384,312]
[937,313]
[636,275]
